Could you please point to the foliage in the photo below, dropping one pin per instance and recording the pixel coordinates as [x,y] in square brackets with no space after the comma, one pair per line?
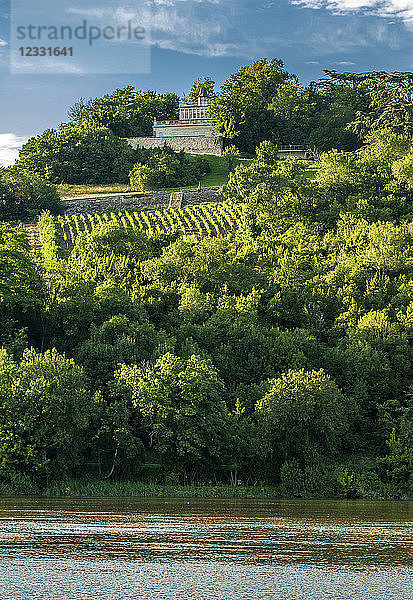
[126,112]
[303,412]
[182,404]
[231,153]
[387,100]
[45,409]
[24,195]
[21,286]
[201,82]
[165,168]
[241,111]
[78,153]
[267,338]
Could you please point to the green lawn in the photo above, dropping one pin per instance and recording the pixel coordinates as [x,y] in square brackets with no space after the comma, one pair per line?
[219,171]
[217,177]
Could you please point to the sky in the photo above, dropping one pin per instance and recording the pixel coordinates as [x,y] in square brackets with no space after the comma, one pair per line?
[194,38]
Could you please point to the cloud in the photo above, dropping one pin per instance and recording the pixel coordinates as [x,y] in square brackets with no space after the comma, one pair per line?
[201,27]
[247,28]
[10,145]
[400,9]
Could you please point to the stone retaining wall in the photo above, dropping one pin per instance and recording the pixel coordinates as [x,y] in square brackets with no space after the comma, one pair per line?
[138,201]
[199,144]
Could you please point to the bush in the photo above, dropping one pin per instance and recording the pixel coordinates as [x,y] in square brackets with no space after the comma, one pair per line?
[79,154]
[166,168]
[24,195]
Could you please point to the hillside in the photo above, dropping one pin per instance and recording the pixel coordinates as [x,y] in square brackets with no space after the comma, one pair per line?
[217,177]
[209,219]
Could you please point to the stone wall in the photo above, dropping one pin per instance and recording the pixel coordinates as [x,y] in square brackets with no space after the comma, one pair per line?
[195,144]
[183,130]
[138,201]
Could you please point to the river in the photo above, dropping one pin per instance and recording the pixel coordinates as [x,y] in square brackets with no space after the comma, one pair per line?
[155,549]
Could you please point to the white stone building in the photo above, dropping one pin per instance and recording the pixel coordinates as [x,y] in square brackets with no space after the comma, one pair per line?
[193,131]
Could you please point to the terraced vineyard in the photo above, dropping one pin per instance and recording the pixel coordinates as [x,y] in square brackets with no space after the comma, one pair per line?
[203,220]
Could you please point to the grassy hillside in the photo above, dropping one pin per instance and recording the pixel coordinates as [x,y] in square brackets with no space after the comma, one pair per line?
[217,177]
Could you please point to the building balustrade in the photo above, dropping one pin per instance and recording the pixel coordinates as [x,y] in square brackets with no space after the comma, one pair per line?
[183,122]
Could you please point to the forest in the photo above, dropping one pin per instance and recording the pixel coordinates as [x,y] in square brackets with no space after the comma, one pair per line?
[266,340]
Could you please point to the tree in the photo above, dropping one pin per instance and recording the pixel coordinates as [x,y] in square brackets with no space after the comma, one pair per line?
[231,153]
[45,413]
[24,195]
[21,287]
[388,100]
[303,412]
[402,170]
[84,153]
[277,193]
[166,168]
[201,82]
[295,110]
[183,409]
[126,112]
[119,341]
[243,104]
[210,264]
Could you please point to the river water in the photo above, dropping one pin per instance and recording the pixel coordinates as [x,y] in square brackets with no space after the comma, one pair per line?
[157,549]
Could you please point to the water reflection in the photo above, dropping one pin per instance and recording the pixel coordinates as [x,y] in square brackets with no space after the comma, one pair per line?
[260,549]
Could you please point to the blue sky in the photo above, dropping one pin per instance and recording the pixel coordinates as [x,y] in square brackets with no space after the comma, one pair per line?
[192,38]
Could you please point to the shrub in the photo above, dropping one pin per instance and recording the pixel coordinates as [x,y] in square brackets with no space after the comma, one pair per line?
[166,168]
[82,153]
[24,195]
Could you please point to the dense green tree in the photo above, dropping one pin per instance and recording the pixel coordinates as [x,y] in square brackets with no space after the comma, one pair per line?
[242,112]
[303,412]
[334,108]
[209,263]
[166,168]
[24,195]
[184,412]
[120,340]
[387,100]
[126,112]
[45,411]
[78,153]
[21,287]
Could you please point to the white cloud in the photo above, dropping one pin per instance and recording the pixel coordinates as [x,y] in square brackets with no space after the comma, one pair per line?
[3,43]
[401,9]
[10,145]
[201,27]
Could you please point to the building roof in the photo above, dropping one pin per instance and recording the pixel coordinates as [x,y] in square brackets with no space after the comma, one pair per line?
[203,92]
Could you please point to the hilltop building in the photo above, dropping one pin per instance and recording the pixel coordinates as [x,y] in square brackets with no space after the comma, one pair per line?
[192,132]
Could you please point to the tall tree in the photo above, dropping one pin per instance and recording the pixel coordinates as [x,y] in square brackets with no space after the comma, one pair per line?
[389,100]
[126,112]
[242,110]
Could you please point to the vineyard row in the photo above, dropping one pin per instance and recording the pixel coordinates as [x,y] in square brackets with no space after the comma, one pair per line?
[203,220]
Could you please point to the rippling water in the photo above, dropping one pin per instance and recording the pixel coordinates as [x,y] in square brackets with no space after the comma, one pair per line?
[205,549]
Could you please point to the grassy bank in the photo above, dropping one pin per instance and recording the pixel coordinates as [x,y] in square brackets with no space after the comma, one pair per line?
[94,488]
[100,489]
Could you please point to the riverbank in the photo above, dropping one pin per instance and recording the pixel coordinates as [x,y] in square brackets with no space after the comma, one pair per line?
[94,488]
[101,489]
